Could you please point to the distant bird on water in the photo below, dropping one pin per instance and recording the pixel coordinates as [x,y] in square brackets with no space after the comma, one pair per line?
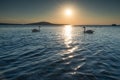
[36,30]
[87,31]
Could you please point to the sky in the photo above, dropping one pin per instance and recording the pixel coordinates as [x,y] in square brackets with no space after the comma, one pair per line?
[83,11]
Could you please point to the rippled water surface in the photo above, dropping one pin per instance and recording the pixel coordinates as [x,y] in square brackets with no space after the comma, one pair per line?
[59,53]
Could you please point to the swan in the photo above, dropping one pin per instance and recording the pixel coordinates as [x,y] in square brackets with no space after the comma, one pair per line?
[88,31]
[36,30]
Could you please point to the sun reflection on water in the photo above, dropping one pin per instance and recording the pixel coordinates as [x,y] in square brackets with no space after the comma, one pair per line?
[68,35]
[69,43]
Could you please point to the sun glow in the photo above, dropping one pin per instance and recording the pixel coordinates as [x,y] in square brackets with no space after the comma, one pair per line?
[68,12]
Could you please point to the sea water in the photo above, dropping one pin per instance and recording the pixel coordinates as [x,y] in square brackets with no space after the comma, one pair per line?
[59,53]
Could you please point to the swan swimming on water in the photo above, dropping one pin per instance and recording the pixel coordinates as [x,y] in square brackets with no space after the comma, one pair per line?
[36,30]
[87,31]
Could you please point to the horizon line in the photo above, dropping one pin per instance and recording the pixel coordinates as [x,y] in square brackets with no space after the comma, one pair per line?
[3,23]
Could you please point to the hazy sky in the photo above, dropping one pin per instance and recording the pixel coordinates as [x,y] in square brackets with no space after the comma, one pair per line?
[84,11]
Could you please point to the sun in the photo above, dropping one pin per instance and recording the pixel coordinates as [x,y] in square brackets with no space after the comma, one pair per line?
[68,12]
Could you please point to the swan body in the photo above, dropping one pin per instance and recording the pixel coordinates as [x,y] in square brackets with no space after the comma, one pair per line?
[36,30]
[88,31]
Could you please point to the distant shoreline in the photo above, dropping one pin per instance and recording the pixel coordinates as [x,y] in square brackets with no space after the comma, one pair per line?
[53,24]
[63,25]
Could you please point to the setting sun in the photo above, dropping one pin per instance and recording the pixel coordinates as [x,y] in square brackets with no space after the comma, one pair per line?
[68,12]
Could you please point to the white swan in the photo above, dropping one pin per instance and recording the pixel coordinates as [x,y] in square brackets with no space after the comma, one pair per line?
[87,31]
[36,30]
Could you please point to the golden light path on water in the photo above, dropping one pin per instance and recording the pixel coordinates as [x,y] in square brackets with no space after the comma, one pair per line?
[68,35]
[71,47]
[68,29]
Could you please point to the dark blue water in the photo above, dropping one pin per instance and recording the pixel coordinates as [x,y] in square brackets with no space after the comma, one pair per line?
[59,53]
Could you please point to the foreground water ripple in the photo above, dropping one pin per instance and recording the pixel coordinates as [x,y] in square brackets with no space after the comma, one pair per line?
[59,53]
